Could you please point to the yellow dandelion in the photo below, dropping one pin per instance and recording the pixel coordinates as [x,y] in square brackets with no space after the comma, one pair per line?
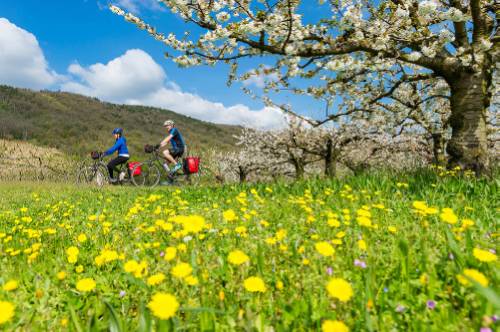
[474,275]
[254,284]
[142,269]
[131,266]
[237,257]
[229,215]
[170,253]
[182,270]
[10,285]
[6,311]
[424,279]
[484,255]
[85,285]
[419,205]
[334,326]
[61,275]
[362,245]
[156,279]
[324,248]
[191,280]
[82,238]
[333,222]
[163,305]
[448,216]
[72,251]
[364,221]
[340,289]
[193,224]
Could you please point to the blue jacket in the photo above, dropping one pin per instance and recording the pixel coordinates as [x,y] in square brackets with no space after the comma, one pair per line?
[120,146]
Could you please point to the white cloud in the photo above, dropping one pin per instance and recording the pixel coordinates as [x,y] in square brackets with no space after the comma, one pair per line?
[129,76]
[200,108]
[134,6]
[22,62]
[135,78]
[260,80]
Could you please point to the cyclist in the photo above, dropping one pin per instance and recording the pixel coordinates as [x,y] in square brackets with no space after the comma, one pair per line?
[177,149]
[121,147]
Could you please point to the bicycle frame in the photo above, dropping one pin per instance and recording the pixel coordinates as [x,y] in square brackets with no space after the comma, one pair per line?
[156,158]
[99,163]
[160,161]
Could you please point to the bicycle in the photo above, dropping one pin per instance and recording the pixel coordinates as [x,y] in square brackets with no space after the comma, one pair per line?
[150,171]
[98,172]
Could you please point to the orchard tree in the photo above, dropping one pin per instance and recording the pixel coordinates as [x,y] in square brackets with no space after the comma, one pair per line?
[361,51]
[301,149]
[256,157]
[423,109]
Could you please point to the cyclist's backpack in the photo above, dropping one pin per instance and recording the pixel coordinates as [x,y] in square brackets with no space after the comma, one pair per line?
[192,164]
[137,170]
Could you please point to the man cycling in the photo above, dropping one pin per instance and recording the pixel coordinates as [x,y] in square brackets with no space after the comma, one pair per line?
[123,155]
[177,149]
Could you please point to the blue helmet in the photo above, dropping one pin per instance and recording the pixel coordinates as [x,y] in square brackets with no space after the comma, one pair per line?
[118,131]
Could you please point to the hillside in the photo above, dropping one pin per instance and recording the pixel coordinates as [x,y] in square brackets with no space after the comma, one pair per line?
[24,161]
[77,124]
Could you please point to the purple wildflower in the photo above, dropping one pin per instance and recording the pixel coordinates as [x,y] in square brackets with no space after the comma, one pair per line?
[386,289]
[494,318]
[431,304]
[485,329]
[122,293]
[329,271]
[360,263]
[400,308]
[162,253]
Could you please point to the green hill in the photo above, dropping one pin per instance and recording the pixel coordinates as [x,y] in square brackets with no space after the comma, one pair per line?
[77,124]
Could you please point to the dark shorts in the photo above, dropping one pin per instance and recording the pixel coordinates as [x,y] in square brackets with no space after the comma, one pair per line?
[176,153]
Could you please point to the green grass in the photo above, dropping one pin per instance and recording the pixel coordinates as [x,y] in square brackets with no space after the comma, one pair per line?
[387,295]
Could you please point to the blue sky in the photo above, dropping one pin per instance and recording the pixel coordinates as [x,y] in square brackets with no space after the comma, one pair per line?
[75,40]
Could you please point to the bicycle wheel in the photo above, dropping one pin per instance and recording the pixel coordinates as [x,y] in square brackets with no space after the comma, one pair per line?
[101,176]
[194,179]
[85,174]
[149,175]
[138,177]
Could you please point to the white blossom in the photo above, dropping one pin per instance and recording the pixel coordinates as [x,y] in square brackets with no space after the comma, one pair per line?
[428,51]
[223,17]
[414,56]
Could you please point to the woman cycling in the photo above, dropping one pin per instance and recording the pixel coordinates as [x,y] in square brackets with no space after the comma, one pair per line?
[123,155]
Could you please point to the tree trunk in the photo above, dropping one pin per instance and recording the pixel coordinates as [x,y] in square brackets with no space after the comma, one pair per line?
[438,148]
[299,167]
[468,147]
[242,174]
[330,159]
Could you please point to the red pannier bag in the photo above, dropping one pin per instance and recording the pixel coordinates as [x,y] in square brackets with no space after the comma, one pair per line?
[131,166]
[192,164]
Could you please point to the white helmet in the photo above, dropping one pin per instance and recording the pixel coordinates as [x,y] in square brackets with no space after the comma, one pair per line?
[168,123]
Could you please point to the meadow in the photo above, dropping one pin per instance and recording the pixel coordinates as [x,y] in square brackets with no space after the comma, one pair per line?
[379,252]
